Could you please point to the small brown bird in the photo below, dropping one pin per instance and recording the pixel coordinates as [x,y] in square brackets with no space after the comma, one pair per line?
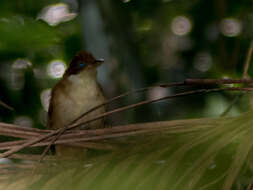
[76,93]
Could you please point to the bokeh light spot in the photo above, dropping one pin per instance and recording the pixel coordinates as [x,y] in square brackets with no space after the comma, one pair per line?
[145,26]
[6,20]
[157,92]
[57,13]
[203,61]
[230,27]
[5,161]
[40,72]
[23,121]
[56,68]
[17,80]
[181,25]
[42,117]
[21,64]
[45,96]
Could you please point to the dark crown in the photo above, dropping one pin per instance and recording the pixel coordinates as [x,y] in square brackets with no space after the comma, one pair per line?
[80,62]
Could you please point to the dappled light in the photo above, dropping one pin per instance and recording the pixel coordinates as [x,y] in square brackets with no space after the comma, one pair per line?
[56,68]
[55,14]
[157,92]
[203,61]
[21,64]
[230,27]
[23,121]
[181,25]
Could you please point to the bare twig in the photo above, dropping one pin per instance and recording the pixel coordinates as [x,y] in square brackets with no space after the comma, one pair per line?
[51,143]
[173,84]
[80,142]
[250,186]
[145,127]
[244,76]
[247,62]
[235,100]
[34,157]
[160,99]
[21,133]
[80,138]
[18,127]
[43,137]
[101,105]
[6,106]
[184,83]
[217,81]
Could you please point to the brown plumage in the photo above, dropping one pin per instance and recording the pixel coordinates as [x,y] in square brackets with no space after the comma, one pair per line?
[76,93]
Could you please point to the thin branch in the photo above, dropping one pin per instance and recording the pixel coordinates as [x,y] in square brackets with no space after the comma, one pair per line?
[173,84]
[217,81]
[51,143]
[175,126]
[19,127]
[11,144]
[235,100]
[6,106]
[33,157]
[247,62]
[101,105]
[244,76]
[184,83]
[21,166]
[41,138]
[80,140]
[21,133]
[159,99]
[250,186]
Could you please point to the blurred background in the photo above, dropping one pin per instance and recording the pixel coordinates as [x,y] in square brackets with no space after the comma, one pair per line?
[143,42]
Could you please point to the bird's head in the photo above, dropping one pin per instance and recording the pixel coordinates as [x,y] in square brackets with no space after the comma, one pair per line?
[82,61]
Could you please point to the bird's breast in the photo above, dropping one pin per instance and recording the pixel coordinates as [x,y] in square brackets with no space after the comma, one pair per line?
[80,94]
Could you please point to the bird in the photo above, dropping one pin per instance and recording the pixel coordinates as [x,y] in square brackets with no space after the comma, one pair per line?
[76,93]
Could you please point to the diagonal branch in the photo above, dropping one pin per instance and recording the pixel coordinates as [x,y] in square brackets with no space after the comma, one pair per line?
[247,62]
[6,106]
[43,137]
[184,83]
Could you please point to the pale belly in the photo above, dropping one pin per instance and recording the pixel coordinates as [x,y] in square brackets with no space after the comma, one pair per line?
[74,101]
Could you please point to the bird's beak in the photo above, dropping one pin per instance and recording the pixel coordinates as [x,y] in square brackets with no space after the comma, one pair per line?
[99,62]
